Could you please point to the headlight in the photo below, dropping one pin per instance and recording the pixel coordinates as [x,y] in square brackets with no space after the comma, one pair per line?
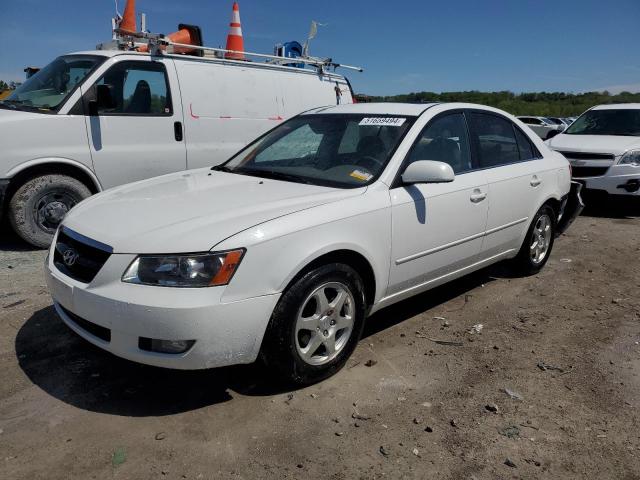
[189,270]
[632,157]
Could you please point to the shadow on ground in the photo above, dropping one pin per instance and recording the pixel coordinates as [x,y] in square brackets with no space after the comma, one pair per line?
[72,370]
[607,206]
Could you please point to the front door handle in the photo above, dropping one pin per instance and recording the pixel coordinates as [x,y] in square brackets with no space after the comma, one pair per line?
[535,181]
[477,196]
[177,131]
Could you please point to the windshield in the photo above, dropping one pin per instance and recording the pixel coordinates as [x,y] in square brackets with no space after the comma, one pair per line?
[625,122]
[48,88]
[337,150]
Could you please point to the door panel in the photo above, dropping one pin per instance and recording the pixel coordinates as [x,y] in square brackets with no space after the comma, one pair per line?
[138,137]
[514,177]
[436,229]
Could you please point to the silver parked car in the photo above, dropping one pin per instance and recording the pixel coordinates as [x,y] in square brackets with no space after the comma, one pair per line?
[542,126]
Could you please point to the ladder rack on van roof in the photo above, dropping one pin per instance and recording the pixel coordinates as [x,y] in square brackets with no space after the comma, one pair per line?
[157,42]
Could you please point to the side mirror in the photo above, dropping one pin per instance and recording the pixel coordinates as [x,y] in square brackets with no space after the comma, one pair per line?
[104,99]
[428,171]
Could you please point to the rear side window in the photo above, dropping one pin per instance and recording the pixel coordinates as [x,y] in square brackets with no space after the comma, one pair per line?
[139,88]
[526,149]
[444,139]
[495,140]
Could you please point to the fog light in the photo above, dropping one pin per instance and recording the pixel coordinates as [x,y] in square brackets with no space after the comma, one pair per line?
[164,346]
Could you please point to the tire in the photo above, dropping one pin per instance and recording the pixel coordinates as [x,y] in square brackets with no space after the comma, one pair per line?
[287,336]
[528,262]
[39,205]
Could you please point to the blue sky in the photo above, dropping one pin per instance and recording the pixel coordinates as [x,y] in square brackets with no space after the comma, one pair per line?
[490,45]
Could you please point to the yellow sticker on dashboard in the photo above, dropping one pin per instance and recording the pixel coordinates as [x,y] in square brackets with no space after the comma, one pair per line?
[360,175]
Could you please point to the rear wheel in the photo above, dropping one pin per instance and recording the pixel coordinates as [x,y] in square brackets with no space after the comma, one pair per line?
[537,245]
[316,325]
[39,205]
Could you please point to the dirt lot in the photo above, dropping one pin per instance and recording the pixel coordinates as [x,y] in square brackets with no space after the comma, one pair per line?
[565,343]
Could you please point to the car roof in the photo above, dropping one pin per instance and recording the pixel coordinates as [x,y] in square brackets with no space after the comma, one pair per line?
[618,106]
[409,109]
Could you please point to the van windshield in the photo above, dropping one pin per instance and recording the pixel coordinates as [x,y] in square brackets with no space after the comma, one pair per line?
[336,150]
[50,87]
[623,122]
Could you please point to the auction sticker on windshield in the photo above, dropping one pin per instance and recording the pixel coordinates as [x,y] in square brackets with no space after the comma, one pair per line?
[382,121]
[360,175]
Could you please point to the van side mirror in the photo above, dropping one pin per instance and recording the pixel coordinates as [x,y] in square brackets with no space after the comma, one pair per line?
[428,171]
[104,99]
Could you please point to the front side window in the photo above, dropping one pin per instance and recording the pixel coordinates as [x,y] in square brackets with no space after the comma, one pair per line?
[50,87]
[444,139]
[495,139]
[624,122]
[338,150]
[137,88]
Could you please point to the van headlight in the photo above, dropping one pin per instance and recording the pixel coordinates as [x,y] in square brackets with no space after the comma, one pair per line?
[188,270]
[632,157]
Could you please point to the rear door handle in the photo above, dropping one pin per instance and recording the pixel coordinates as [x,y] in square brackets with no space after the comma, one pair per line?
[535,181]
[177,131]
[477,196]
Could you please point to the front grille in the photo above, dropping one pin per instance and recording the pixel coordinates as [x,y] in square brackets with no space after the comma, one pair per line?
[581,172]
[588,156]
[79,257]
[96,330]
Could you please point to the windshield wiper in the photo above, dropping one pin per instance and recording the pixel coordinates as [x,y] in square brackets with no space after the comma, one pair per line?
[221,168]
[288,177]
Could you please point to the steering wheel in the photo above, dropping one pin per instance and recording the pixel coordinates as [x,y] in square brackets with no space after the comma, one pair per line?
[368,162]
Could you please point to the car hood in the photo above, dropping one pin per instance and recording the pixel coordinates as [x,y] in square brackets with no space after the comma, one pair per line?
[614,144]
[191,211]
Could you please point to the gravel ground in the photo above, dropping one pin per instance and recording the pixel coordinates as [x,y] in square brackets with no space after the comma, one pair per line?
[548,389]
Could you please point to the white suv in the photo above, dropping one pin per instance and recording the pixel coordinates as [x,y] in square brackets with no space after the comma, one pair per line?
[285,249]
[603,146]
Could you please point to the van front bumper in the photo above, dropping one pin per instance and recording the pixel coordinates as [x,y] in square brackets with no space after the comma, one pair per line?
[224,333]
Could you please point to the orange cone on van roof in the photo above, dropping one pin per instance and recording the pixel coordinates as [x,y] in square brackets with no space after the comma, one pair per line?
[128,22]
[234,39]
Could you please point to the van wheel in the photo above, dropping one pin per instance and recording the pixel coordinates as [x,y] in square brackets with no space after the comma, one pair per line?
[39,205]
[537,245]
[316,325]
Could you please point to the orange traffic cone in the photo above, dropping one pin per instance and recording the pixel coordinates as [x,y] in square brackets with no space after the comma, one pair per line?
[128,22]
[186,34]
[234,39]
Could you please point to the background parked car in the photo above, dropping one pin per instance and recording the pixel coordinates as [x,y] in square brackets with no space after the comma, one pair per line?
[542,126]
[603,146]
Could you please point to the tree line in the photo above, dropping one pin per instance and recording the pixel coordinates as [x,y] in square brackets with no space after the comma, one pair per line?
[554,104]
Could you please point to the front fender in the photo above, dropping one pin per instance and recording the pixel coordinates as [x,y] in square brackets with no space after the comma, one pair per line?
[37,162]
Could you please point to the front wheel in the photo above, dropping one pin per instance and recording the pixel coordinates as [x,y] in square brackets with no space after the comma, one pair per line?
[316,325]
[538,242]
[39,205]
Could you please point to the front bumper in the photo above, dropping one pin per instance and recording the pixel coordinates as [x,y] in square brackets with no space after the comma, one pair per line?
[224,333]
[619,180]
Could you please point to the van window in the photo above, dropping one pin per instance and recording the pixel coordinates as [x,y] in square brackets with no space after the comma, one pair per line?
[495,140]
[445,140]
[139,88]
[51,86]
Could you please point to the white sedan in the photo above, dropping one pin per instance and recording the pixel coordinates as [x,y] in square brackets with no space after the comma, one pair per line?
[283,251]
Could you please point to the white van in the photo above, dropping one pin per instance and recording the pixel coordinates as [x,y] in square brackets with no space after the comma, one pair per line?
[93,120]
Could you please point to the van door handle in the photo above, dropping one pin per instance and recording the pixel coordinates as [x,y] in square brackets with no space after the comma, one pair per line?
[177,131]
[535,181]
[477,196]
